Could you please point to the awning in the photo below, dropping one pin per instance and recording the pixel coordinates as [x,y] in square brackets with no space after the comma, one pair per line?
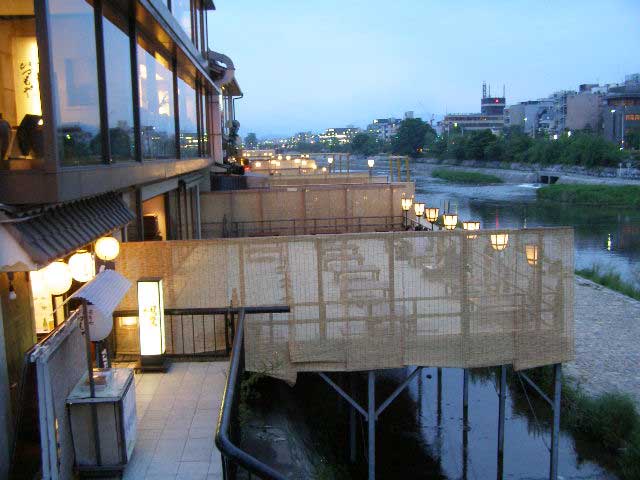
[52,232]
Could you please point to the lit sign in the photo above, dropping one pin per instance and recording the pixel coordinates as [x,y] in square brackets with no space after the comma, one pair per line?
[151,316]
[632,117]
[26,72]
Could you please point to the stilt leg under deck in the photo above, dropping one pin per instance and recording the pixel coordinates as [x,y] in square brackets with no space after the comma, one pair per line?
[372,424]
[465,423]
[352,423]
[465,389]
[501,412]
[555,429]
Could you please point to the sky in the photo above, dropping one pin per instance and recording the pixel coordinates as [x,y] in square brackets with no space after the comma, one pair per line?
[307,65]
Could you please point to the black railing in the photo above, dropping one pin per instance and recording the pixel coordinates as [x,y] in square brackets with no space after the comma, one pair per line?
[303,226]
[233,457]
[188,331]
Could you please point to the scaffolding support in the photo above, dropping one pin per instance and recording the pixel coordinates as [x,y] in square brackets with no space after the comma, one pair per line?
[555,429]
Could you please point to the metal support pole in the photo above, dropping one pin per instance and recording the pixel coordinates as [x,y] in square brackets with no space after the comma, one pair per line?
[555,432]
[372,424]
[352,423]
[501,411]
[465,389]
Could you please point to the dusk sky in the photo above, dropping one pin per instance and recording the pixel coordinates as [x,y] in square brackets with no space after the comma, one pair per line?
[309,65]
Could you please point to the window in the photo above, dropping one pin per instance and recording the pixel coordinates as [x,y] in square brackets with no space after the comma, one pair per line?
[188,117]
[75,81]
[157,117]
[117,60]
[20,108]
[181,9]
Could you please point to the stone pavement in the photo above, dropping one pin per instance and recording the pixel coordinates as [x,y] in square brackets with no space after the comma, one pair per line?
[607,329]
[177,416]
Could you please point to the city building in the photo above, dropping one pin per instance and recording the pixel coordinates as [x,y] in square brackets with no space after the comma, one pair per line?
[491,116]
[340,135]
[530,116]
[384,128]
[112,115]
[621,111]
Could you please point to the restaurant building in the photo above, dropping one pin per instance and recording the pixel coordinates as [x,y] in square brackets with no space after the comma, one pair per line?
[111,118]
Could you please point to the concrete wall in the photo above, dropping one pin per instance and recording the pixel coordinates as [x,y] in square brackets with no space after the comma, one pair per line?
[583,109]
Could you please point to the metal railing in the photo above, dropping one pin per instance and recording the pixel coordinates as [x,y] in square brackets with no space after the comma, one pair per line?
[233,457]
[303,226]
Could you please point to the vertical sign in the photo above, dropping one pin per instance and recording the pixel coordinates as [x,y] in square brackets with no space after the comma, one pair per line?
[25,71]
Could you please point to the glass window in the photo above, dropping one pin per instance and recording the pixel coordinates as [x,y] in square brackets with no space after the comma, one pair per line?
[157,117]
[75,82]
[117,60]
[181,9]
[20,109]
[188,118]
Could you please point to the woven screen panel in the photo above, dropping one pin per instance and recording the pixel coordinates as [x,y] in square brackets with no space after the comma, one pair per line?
[380,300]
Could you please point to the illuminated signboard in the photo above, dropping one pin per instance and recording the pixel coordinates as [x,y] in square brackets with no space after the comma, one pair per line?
[151,316]
[632,117]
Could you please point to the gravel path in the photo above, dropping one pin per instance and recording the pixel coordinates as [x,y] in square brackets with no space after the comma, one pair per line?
[607,330]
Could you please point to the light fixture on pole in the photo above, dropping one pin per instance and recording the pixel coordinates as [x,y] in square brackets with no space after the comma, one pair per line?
[432,214]
[450,221]
[370,163]
[151,322]
[330,162]
[471,226]
[406,203]
[532,254]
[499,241]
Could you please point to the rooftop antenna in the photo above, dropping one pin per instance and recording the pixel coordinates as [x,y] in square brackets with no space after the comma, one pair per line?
[503,91]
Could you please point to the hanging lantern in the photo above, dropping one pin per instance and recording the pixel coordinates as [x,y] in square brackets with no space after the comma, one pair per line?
[499,241]
[406,203]
[57,276]
[107,248]
[450,221]
[531,252]
[82,266]
[432,214]
[418,209]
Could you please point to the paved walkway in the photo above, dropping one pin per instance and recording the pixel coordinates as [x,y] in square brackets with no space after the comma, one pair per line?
[177,416]
[607,329]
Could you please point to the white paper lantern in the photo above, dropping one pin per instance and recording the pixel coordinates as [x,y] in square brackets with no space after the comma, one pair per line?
[82,266]
[107,248]
[57,276]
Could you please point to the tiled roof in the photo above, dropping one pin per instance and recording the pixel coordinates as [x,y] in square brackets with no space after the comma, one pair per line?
[57,231]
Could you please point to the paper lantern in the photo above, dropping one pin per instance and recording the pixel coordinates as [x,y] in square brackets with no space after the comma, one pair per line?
[450,221]
[82,266]
[418,209]
[499,241]
[107,248]
[57,277]
[531,252]
[432,214]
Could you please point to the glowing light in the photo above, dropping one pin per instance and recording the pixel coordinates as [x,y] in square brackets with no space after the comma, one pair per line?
[432,214]
[450,221]
[329,160]
[107,248]
[258,164]
[609,242]
[531,252]
[371,162]
[26,74]
[406,203]
[151,316]
[499,241]
[418,209]
[57,277]
[82,266]
[471,226]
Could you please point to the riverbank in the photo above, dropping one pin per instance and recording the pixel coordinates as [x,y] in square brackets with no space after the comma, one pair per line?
[524,173]
[461,176]
[609,195]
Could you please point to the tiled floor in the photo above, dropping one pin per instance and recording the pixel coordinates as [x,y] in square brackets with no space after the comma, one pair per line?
[177,415]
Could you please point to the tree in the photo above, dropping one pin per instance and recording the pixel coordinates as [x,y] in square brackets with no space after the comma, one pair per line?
[364,144]
[410,137]
[251,141]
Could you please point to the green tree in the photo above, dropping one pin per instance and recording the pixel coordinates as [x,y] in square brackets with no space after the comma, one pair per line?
[365,144]
[251,141]
[410,137]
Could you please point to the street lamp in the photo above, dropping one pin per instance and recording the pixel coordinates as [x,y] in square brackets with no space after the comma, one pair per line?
[370,163]
[450,221]
[418,209]
[431,214]
[330,162]
[499,241]
[531,252]
[406,203]
[471,226]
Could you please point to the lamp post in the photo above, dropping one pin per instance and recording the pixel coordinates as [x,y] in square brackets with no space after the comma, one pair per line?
[450,221]
[418,209]
[406,203]
[499,241]
[370,163]
[471,226]
[431,214]
[330,162]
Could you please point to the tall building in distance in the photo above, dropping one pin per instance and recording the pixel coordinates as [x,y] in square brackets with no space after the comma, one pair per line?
[491,116]
[339,134]
[384,128]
